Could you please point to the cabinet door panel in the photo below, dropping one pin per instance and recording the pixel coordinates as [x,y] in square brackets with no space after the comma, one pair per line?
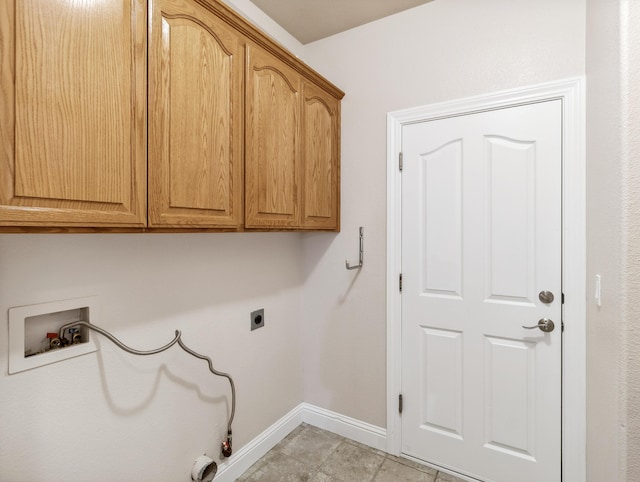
[272,146]
[73,91]
[195,152]
[321,138]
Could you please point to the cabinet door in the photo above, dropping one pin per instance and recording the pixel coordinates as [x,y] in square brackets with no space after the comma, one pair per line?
[73,119]
[195,129]
[272,162]
[321,140]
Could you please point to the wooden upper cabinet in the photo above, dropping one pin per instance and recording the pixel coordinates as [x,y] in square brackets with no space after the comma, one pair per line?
[73,113]
[195,118]
[241,134]
[321,159]
[273,146]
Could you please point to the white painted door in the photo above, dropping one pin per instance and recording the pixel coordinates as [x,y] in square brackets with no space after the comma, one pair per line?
[481,238]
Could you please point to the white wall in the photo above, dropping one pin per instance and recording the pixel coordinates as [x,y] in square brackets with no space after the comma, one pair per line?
[613,235]
[604,255]
[439,51]
[631,241]
[113,416]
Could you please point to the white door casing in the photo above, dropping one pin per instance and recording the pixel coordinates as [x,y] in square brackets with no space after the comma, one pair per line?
[481,236]
[569,94]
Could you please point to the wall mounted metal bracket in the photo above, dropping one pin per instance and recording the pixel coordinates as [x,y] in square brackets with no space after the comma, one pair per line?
[361,257]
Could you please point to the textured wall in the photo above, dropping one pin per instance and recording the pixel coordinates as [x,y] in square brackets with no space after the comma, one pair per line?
[439,51]
[630,19]
[604,231]
[613,239]
[113,416]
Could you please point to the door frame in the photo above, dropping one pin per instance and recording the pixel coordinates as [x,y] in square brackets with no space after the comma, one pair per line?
[571,93]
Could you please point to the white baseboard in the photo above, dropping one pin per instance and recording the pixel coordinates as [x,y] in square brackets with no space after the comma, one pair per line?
[351,428]
[348,427]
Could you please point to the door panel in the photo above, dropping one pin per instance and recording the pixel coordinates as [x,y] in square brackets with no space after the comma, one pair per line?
[321,139]
[73,120]
[442,390]
[442,205]
[509,418]
[273,142]
[195,149]
[510,202]
[481,236]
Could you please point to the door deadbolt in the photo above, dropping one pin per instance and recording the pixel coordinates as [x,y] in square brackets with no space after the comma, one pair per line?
[546,296]
[545,324]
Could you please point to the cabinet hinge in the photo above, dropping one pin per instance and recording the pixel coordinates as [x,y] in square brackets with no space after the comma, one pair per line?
[400,161]
[400,403]
[400,282]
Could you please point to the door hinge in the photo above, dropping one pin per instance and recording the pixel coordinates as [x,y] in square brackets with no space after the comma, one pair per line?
[400,282]
[562,327]
[400,161]
[562,299]
[400,403]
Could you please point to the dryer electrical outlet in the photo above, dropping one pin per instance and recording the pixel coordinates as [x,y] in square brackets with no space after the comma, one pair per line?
[257,319]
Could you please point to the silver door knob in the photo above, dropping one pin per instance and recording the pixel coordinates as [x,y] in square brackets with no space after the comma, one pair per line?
[545,324]
[546,296]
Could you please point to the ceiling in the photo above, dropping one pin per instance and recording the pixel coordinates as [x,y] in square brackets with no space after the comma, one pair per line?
[310,20]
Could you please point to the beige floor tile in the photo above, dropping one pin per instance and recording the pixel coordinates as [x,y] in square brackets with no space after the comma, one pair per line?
[310,446]
[322,477]
[392,471]
[279,467]
[365,447]
[310,454]
[350,463]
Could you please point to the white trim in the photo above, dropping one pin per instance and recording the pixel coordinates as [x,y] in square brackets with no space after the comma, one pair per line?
[571,91]
[351,428]
[348,427]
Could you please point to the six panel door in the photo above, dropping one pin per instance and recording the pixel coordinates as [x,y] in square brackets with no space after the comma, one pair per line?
[73,118]
[481,238]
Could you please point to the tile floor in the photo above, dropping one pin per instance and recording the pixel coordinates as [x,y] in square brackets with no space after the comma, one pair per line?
[309,454]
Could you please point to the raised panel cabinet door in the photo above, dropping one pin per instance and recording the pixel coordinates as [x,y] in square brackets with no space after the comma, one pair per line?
[195,113]
[73,116]
[321,159]
[272,163]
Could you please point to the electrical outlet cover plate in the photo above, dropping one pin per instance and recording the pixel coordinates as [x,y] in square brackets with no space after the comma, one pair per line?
[18,362]
[257,319]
